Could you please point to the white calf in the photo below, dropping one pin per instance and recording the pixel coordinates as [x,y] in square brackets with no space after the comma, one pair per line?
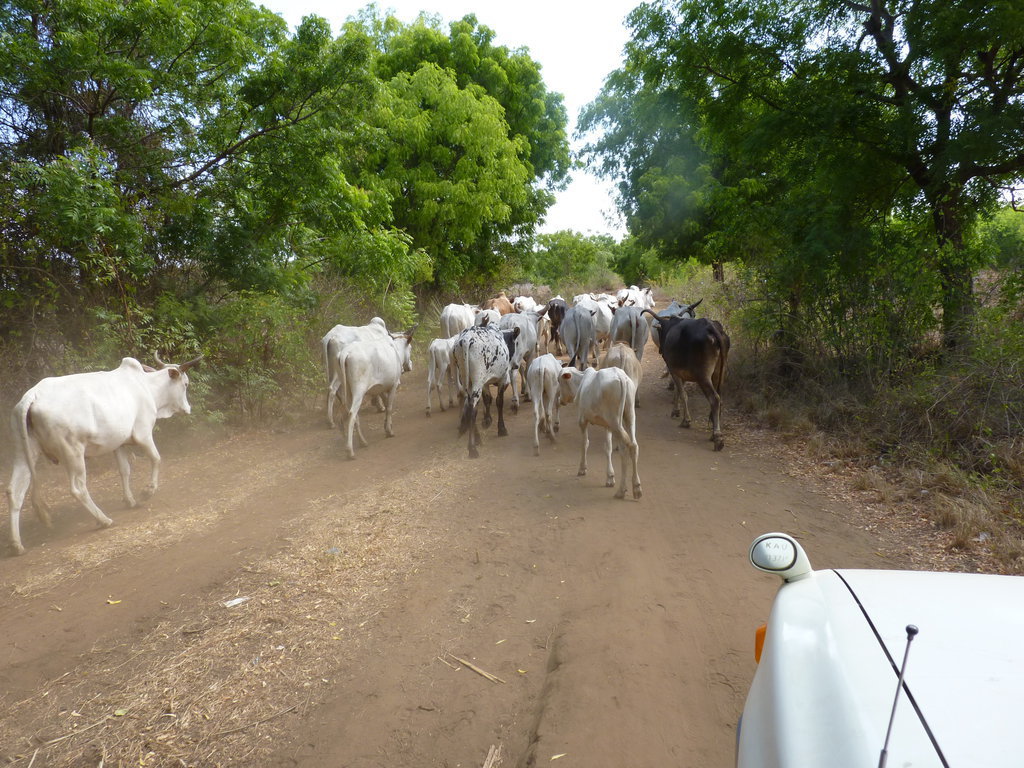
[456,318]
[622,356]
[439,355]
[542,381]
[605,398]
[371,368]
[334,340]
[523,353]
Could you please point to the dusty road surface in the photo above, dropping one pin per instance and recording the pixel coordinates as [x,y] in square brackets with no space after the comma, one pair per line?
[278,605]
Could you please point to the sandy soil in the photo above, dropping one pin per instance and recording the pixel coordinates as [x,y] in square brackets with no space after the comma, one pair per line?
[615,633]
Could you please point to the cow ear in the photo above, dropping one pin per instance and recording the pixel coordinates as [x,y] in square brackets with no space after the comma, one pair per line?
[173,373]
[566,375]
[148,369]
[515,333]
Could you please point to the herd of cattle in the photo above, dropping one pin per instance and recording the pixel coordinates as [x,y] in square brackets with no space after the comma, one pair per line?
[502,343]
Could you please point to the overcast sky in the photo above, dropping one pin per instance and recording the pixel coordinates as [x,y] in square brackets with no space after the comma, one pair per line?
[577,45]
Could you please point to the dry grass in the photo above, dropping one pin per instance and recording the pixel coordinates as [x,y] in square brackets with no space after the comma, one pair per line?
[218,690]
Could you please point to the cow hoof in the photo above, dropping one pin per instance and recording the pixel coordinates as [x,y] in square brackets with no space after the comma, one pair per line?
[474,453]
[428,413]
[684,424]
[536,450]
[487,423]
[719,443]
[351,455]
[105,522]
[610,483]
[675,413]
[18,549]
[502,432]
[581,473]
[620,494]
[637,492]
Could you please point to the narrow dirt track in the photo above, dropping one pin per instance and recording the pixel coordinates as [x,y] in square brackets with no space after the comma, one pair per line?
[621,631]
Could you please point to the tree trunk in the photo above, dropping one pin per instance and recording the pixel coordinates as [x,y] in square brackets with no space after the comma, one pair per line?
[718,269]
[957,274]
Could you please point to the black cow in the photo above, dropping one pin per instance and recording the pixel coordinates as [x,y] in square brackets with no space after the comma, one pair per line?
[556,314]
[695,350]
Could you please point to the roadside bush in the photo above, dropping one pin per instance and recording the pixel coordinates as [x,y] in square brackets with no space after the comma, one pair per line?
[931,424]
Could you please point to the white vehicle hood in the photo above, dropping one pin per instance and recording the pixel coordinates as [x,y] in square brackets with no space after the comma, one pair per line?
[824,689]
[965,671]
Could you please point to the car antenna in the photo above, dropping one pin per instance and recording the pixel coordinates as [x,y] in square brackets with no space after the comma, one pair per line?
[911,633]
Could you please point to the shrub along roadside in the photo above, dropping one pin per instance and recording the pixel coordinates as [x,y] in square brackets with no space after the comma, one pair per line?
[943,432]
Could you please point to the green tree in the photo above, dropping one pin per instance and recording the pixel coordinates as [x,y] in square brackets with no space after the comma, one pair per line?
[813,123]
[567,257]
[474,154]
[150,146]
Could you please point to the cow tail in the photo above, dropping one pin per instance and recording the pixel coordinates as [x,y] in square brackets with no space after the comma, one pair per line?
[625,402]
[576,346]
[20,417]
[723,352]
[469,404]
[343,380]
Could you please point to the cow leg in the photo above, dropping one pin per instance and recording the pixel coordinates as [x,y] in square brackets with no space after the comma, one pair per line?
[349,426]
[513,376]
[468,423]
[332,394]
[539,421]
[715,400]
[487,406]
[378,403]
[680,397]
[474,439]
[124,467]
[502,431]
[626,444]
[553,406]
[430,388]
[585,445]
[609,479]
[450,375]
[389,409]
[21,480]
[144,440]
[75,467]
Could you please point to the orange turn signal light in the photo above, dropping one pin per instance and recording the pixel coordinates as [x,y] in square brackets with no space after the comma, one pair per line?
[759,641]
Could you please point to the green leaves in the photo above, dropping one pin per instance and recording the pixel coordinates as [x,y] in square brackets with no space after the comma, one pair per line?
[801,136]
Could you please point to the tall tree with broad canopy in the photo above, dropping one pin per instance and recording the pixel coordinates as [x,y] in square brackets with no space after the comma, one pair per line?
[805,125]
[476,145]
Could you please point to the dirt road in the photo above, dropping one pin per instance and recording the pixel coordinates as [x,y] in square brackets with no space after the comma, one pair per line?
[409,608]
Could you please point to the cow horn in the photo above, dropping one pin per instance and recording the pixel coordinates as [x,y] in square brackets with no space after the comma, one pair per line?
[156,357]
[191,363]
[694,306]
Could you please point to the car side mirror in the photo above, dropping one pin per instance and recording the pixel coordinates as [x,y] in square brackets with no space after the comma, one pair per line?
[780,554]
